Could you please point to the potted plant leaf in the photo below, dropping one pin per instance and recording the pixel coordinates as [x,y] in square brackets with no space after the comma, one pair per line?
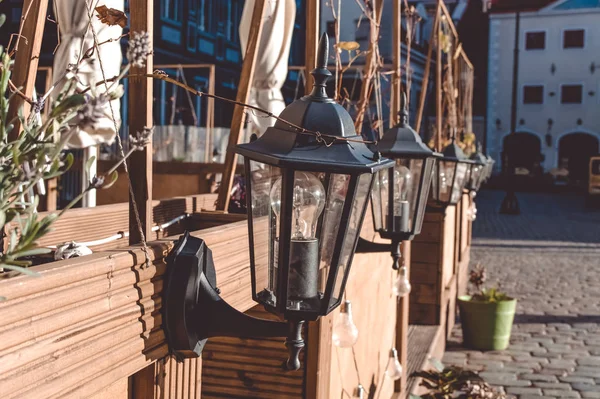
[454,382]
[487,315]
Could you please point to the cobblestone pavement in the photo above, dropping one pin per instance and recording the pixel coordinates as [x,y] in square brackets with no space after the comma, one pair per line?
[549,259]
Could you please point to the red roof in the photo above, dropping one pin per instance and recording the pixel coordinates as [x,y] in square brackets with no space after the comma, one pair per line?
[499,6]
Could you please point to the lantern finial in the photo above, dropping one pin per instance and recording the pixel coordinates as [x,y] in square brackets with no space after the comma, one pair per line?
[321,74]
[404,111]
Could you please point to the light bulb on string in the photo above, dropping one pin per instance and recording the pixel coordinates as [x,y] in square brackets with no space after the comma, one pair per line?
[394,368]
[402,285]
[345,332]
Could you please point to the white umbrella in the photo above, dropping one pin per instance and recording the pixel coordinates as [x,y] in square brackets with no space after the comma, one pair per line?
[75,38]
[272,61]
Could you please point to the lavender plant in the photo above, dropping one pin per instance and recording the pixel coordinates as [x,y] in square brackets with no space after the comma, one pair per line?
[35,154]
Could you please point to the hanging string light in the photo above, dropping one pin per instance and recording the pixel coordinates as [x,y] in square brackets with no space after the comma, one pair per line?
[402,285]
[345,332]
[394,368]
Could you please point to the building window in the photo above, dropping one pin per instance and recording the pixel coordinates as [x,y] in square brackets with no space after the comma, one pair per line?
[574,38]
[535,40]
[172,10]
[533,94]
[571,94]
[206,9]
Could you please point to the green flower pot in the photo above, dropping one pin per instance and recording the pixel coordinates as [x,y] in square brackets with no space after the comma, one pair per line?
[486,326]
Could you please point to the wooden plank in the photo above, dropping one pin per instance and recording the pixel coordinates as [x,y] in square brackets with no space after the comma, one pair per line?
[396,63]
[318,358]
[33,19]
[250,366]
[244,87]
[210,109]
[313,9]
[439,111]
[140,105]
[425,342]
[79,346]
[427,72]
[88,224]
[402,325]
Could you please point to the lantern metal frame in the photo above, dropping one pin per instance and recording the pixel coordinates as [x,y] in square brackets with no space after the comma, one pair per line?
[454,154]
[401,143]
[474,182]
[194,311]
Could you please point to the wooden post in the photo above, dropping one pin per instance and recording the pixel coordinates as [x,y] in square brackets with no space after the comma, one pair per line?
[402,309]
[397,63]
[312,40]
[370,64]
[439,114]
[140,163]
[237,124]
[140,105]
[402,324]
[27,57]
[210,110]
[427,72]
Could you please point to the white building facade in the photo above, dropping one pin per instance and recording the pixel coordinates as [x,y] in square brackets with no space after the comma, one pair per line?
[558,85]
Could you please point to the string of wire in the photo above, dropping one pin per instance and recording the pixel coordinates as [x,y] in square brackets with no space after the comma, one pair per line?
[326,139]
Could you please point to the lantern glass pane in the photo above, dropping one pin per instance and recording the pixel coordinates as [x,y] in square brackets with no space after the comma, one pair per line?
[407,176]
[376,202]
[459,181]
[308,203]
[384,195]
[442,183]
[354,225]
[422,200]
[336,197]
[265,187]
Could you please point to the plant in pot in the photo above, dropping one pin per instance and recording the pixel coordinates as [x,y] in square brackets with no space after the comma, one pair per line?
[454,382]
[487,315]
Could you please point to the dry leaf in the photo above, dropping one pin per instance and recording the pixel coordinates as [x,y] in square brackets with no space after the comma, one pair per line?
[111,16]
[348,46]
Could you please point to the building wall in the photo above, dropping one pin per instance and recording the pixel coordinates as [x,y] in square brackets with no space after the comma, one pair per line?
[550,67]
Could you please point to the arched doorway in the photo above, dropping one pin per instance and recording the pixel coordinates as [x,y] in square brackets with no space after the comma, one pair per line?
[523,150]
[574,152]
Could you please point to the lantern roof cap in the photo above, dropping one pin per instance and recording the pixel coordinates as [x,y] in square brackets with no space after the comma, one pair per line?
[402,140]
[453,152]
[315,111]
[314,133]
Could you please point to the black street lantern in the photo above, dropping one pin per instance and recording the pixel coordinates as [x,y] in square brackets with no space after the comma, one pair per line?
[307,194]
[399,195]
[308,179]
[477,172]
[450,175]
[489,169]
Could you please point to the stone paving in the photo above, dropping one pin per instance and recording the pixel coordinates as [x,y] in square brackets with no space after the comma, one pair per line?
[549,259]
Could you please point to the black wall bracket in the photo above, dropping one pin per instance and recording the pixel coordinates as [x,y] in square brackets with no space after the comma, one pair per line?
[194,311]
[366,247]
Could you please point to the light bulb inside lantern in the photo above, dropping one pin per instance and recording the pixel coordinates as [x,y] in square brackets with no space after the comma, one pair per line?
[402,285]
[345,333]
[402,191]
[394,368]
[308,201]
